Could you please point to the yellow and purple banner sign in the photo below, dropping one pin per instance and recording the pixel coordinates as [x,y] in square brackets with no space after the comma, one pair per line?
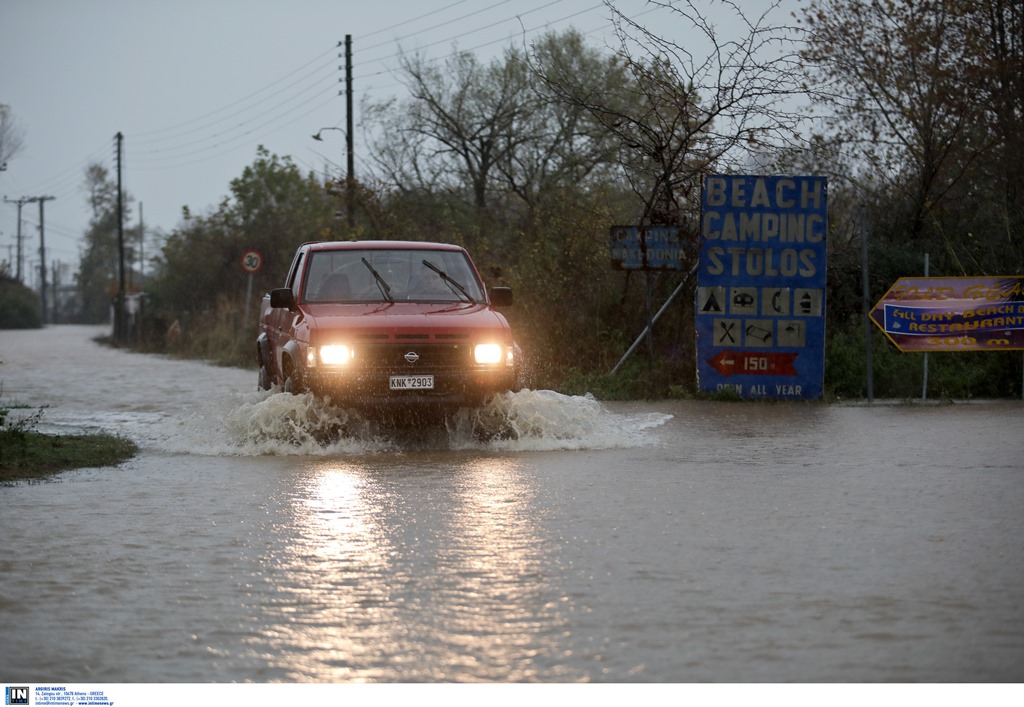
[953,313]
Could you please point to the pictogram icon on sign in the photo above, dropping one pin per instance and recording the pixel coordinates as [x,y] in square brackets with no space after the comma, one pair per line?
[807,303]
[792,333]
[758,332]
[710,299]
[743,300]
[727,332]
[775,302]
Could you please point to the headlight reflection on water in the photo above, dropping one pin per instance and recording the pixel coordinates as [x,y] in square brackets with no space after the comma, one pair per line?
[332,610]
[412,572]
[503,611]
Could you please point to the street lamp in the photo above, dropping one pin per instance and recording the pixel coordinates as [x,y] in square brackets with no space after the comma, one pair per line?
[349,179]
[320,139]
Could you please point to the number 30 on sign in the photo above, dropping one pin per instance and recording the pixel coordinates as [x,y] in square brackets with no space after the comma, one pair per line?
[252,261]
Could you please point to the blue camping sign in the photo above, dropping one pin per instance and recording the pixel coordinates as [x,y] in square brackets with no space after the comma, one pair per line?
[760,310]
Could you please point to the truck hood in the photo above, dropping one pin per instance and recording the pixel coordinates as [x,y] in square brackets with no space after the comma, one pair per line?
[405,318]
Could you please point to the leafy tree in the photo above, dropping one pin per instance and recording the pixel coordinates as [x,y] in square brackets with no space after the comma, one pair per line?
[994,198]
[98,269]
[491,157]
[437,153]
[199,281]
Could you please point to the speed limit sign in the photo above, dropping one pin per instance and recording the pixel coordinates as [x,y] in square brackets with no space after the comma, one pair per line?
[252,261]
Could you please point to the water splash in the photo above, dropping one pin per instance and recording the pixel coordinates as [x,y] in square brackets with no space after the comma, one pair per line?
[538,420]
[283,424]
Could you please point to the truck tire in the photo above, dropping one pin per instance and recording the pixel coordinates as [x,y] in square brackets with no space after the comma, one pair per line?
[292,385]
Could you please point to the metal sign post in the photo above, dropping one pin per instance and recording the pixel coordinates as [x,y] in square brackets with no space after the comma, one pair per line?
[647,248]
[924,380]
[252,261]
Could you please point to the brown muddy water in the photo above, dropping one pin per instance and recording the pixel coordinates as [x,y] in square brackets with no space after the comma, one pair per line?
[265,537]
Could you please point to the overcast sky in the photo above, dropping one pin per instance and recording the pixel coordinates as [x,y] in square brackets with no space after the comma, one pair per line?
[196,85]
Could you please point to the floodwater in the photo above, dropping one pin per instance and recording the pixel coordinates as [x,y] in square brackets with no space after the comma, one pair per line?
[264,537]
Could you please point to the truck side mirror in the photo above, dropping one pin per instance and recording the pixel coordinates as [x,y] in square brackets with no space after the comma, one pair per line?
[282,298]
[501,296]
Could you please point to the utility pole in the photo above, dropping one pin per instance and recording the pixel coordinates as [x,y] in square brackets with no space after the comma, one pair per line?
[20,202]
[142,250]
[56,290]
[42,255]
[350,177]
[41,200]
[350,158]
[119,307]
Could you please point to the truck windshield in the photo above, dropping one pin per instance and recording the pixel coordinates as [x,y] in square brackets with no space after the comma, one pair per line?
[392,275]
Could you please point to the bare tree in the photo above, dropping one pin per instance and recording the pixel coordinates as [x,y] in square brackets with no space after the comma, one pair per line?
[486,130]
[456,127]
[12,138]
[695,108]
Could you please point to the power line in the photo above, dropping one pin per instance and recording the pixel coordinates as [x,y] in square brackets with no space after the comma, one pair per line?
[198,141]
[321,78]
[218,139]
[225,146]
[449,22]
[297,94]
[414,19]
[526,31]
[212,113]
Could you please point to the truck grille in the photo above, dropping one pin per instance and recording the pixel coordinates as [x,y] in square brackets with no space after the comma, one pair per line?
[391,357]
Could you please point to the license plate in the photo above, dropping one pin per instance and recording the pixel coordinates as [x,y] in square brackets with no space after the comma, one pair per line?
[412,383]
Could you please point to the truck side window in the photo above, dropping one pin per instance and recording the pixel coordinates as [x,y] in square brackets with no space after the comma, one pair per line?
[293,276]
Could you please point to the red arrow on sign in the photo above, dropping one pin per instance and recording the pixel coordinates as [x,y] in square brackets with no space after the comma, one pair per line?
[731,363]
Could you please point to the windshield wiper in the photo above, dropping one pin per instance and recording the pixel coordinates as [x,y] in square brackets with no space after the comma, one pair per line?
[385,289]
[452,283]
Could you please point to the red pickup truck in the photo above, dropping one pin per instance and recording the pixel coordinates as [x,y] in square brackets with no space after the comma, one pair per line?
[387,325]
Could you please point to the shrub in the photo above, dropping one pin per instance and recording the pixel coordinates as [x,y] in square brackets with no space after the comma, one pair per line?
[19,306]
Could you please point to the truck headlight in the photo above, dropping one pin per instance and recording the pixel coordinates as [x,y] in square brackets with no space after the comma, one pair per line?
[488,353]
[492,354]
[335,355]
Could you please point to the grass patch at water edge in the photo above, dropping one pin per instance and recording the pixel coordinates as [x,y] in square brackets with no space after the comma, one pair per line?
[26,455]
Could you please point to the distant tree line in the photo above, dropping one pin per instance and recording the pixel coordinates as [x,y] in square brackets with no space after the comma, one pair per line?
[528,160]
